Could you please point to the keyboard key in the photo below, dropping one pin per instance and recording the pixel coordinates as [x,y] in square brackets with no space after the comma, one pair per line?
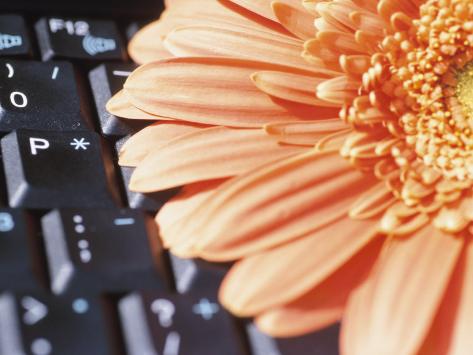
[39,324]
[39,95]
[197,276]
[79,39]
[105,81]
[14,38]
[102,250]
[148,202]
[20,266]
[156,323]
[324,342]
[53,169]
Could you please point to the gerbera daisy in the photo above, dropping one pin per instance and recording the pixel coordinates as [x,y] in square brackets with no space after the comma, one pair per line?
[326,146]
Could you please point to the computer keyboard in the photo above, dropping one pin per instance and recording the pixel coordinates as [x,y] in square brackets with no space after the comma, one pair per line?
[82,271]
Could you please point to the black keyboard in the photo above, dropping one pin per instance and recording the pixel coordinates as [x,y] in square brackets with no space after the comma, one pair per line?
[82,270]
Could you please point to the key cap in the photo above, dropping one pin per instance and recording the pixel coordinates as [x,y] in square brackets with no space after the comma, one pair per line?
[324,342]
[39,324]
[148,202]
[102,250]
[197,276]
[52,169]
[105,81]
[14,40]
[20,263]
[39,95]
[156,323]
[79,39]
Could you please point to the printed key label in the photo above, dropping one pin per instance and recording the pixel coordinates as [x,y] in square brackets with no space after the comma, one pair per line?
[73,28]
[165,310]
[38,144]
[6,222]
[8,41]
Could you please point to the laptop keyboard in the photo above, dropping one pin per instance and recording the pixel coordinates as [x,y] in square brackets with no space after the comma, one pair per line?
[81,267]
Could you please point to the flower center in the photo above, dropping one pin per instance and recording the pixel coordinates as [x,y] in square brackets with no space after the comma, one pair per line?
[438,75]
[464,90]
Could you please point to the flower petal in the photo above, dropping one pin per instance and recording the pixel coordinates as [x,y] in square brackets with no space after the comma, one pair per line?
[305,133]
[302,194]
[324,304]
[207,154]
[180,207]
[260,7]
[295,19]
[215,91]
[152,137]
[120,106]
[285,273]
[289,86]
[392,312]
[451,332]
[231,40]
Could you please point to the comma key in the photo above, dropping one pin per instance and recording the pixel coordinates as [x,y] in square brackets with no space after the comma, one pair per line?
[52,169]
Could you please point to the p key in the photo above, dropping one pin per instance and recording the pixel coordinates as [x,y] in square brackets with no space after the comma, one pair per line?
[41,96]
[52,169]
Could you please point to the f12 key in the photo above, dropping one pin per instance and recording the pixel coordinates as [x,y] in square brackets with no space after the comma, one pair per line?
[79,39]
[57,169]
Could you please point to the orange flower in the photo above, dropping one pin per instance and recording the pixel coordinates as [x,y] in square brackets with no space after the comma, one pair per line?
[340,179]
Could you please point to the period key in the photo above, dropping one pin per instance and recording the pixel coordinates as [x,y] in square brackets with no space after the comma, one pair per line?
[57,169]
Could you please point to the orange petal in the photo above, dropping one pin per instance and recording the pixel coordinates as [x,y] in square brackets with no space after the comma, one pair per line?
[305,133]
[179,208]
[215,91]
[207,154]
[301,194]
[392,312]
[152,137]
[324,304]
[291,87]
[341,90]
[451,332]
[120,106]
[147,44]
[295,18]
[260,7]
[232,40]
[285,273]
